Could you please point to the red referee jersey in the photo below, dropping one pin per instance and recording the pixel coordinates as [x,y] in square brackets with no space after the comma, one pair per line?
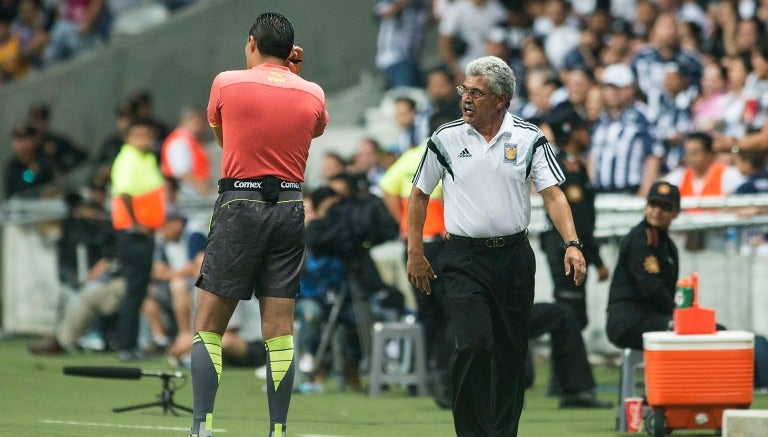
[268,116]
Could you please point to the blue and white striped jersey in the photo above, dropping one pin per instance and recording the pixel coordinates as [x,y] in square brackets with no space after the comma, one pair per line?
[649,68]
[619,148]
[674,120]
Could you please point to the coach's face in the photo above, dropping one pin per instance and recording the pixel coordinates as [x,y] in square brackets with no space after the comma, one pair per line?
[479,108]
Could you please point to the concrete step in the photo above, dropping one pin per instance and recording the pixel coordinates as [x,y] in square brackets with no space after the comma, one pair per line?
[745,423]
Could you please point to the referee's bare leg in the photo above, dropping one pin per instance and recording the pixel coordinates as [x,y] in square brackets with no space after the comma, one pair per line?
[211,319]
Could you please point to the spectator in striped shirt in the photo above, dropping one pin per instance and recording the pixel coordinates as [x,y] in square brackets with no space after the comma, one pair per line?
[649,64]
[400,40]
[624,154]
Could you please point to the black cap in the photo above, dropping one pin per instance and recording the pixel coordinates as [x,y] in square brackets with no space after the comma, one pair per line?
[666,193]
[563,119]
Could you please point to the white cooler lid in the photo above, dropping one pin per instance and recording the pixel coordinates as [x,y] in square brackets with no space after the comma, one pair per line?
[720,340]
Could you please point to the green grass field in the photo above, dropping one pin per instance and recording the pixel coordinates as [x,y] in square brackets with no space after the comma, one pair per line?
[36,399]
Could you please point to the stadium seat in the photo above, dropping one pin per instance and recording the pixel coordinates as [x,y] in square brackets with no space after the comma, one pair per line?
[417,375]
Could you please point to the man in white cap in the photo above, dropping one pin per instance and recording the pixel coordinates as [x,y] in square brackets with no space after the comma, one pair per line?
[625,155]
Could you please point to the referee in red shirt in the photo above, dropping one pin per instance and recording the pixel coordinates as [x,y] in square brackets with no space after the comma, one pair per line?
[264,117]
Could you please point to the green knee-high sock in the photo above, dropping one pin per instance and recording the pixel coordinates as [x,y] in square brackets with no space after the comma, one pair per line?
[206,372]
[280,372]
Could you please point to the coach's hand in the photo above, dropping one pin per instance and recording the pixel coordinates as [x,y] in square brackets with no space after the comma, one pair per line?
[574,260]
[295,60]
[420,273]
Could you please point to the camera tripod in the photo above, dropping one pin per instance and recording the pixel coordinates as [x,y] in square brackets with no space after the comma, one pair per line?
[364,319]
[164,399]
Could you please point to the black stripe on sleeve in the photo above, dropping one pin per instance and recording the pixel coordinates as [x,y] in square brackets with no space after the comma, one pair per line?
[554,167]
[539,142]
[440,158]
[421,164]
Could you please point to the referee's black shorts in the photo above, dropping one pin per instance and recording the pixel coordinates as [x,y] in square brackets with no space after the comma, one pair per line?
[253,247]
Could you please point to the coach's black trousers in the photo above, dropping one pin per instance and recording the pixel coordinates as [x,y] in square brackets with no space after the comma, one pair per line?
[490,290]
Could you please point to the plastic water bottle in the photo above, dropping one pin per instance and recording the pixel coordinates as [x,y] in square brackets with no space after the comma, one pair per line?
[684,293]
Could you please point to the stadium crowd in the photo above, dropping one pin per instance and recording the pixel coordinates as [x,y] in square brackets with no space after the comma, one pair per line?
[673,90]
[35,34]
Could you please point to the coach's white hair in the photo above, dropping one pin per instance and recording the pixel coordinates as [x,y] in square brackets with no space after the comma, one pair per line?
[500,78]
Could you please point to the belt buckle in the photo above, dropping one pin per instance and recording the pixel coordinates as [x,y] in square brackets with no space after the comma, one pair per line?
[495,242]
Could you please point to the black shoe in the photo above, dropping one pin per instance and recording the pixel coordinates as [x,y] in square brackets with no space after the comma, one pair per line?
[583,400]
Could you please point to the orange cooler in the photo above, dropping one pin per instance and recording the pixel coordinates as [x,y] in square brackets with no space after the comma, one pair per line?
[693,378]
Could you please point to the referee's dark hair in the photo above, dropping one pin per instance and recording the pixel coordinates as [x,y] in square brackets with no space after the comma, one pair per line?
[703,138]
[273,34]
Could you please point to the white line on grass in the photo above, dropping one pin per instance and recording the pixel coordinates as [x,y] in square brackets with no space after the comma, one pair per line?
[115,425]
[319,435]
[158,428]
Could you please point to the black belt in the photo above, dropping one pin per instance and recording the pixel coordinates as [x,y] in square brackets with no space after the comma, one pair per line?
[231,184]
[493,242]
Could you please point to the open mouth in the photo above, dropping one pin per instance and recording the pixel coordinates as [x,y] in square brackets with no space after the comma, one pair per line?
[468,109]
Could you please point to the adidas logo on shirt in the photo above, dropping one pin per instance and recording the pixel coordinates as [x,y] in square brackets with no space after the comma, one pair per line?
[465,153]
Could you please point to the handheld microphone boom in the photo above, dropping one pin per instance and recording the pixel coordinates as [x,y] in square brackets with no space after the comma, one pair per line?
[164,399]
[118,372]
[104,372]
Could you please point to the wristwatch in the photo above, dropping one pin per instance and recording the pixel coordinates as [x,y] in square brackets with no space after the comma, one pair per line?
[574,243]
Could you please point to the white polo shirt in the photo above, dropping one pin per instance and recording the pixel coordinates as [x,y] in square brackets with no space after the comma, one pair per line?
[486,185]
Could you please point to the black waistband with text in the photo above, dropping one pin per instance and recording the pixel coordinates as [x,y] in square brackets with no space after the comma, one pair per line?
[267,183]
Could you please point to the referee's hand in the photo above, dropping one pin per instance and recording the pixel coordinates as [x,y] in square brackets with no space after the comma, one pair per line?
[295,59]
[574,261]
[420,273]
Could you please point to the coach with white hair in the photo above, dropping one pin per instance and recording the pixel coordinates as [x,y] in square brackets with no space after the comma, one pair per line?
[487,161]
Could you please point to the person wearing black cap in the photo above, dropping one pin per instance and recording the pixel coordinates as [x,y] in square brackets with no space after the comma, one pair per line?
[569,131]
[571,376]
[642,292]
